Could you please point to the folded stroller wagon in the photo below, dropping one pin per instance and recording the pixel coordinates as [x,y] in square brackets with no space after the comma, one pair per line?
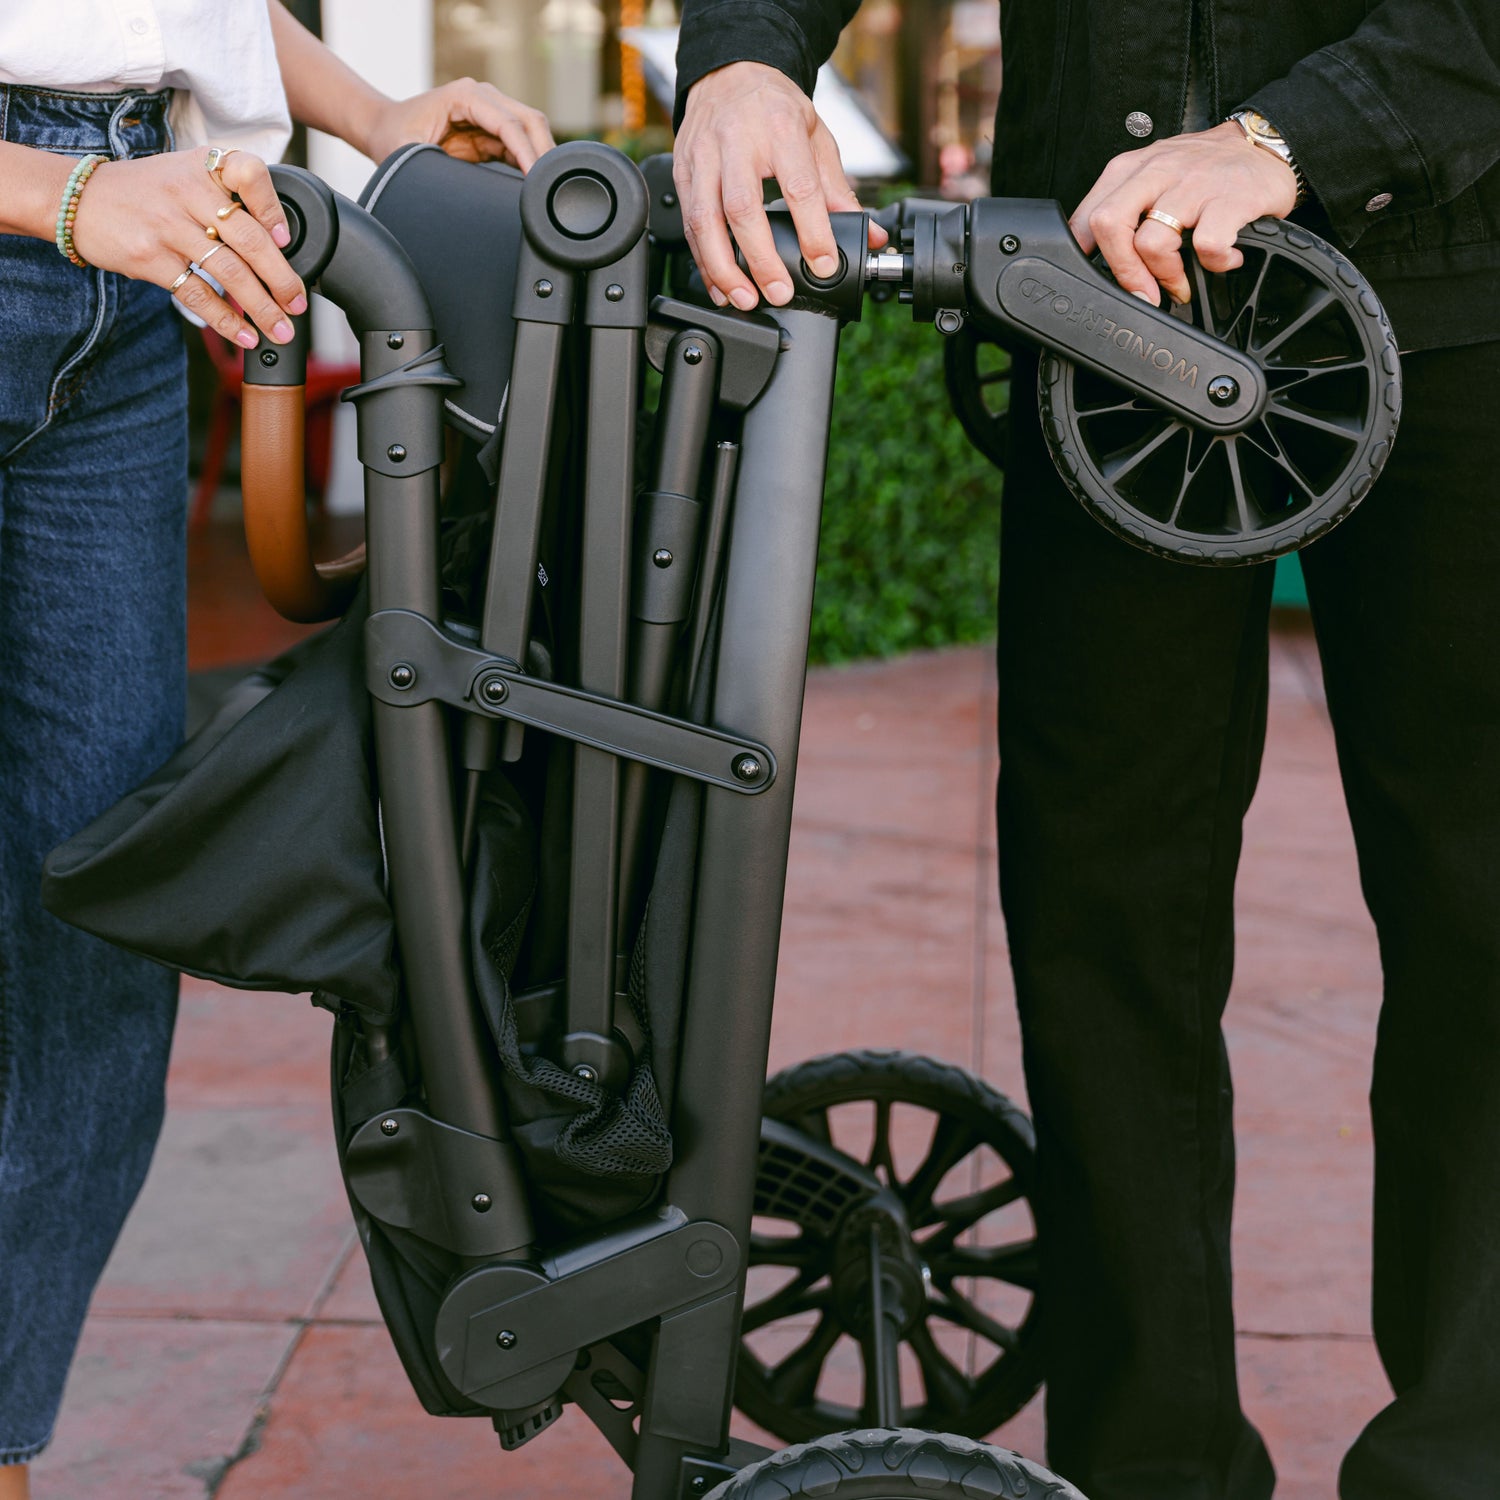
[521,820]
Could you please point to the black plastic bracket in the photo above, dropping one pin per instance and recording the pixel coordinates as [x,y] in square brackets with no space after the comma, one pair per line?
[494,1330]
[750,343]
[409,660]
[452,1188]
[397,431]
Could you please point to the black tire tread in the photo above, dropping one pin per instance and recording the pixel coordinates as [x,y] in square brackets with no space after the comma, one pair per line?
[1091,491]
[870,1463]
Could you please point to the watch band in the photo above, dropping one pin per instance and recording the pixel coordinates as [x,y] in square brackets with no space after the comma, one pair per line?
[1259,131]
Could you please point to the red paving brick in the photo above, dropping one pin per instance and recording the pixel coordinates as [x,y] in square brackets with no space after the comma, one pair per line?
[236,1317]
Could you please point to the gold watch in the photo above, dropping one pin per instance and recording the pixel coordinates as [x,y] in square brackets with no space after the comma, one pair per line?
[1259,131]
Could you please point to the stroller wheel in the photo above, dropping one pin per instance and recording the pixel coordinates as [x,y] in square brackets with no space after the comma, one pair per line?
[892,1463]
[976,371]
[938,1166]
[1305,316]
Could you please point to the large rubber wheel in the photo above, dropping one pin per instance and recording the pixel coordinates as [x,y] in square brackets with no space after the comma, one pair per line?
[953,1160]
[1309,319]
[976,370]
[894,1464]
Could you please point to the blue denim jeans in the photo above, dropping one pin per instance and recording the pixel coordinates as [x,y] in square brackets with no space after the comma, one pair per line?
[93,487]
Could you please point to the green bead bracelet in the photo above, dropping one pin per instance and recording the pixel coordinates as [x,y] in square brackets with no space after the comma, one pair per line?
[67,211]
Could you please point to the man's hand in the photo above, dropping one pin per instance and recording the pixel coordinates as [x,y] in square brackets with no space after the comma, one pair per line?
[1214,181]
[469,120]
[745,123]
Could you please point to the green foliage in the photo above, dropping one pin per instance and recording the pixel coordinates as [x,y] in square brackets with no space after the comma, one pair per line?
[910,551]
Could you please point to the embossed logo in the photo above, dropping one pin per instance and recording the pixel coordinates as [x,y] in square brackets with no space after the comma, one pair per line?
[1090,320]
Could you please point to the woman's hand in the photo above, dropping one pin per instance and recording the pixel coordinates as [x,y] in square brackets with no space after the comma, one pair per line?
[1213,181]
[469,120]
[147,219]
[745,123]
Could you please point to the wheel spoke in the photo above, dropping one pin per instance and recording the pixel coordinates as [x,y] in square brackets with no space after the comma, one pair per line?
[802,1253]
[952,1140]
[794,1380]
[1288,377]
[993,377]
[958,1214]
[814,1122]
[880,1151]
[957,1308]
[1313,310]
[1201,289]
[1085,413]
[1189,474]
[948,1388]
[1013,1264]
[1117,468]
[1350,434]
[1242,501]
[1248,308]
[795,1297]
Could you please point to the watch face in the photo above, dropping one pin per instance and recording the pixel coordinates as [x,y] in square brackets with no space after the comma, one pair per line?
[1258,124]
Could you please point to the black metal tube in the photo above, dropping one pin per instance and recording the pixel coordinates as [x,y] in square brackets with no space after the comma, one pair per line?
[762,669]
[711,557]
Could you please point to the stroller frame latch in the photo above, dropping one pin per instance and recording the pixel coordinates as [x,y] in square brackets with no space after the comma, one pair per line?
[408,661]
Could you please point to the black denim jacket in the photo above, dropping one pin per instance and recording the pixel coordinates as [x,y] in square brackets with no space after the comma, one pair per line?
[1391,107]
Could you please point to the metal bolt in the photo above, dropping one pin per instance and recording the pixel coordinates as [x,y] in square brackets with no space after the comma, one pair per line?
[268,357]
[747,768]
[692,355]
[585,1072]
[394,341]
[614,291]
[389,1127]
[699,1485]
[959,268]
[662,558]
[543,288]
[482,1203]
[1010,244]
[402,676]
[1222,390]
[949,321]
[494,690]
[396,453]
[669,200]
[506,1339]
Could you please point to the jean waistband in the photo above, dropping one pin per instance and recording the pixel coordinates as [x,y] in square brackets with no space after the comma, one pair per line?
[114,125]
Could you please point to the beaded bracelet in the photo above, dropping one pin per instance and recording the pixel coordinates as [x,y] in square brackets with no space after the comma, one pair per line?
[68,209]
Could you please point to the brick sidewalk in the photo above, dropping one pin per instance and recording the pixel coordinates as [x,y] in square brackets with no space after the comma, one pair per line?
[234,1348]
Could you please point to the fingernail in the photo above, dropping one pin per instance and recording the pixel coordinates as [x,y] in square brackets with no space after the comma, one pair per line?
[282,332]
[825,265]
[744,299]
[282,235]
[246,338]
[1153,300]
[717,297]
[778,292]
[297,306]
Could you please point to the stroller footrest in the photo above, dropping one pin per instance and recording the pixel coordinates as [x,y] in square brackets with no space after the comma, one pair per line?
[500,1335]
[408,660]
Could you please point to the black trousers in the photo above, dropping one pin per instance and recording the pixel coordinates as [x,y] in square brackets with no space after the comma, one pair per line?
[1132,713]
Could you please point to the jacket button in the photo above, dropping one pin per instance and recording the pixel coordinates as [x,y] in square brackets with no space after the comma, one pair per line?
[1139,123]
[1379,201]
[140,25]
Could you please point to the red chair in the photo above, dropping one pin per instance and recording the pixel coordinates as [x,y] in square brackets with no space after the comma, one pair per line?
[326,381]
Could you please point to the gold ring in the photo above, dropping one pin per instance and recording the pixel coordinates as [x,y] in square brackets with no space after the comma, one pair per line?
[181,279]
[209,254]
[1175,225]
[211,230]
[229,208]
[214,162]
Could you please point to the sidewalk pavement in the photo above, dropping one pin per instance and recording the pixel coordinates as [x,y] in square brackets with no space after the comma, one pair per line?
[234,1348]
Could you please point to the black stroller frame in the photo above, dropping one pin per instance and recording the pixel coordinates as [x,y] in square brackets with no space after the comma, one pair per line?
[688,667]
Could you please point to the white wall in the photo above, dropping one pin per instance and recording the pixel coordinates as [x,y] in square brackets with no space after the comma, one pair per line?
[390,43]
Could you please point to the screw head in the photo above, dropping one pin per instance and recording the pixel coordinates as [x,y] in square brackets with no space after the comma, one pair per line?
[1222,390]
[699,1485]
[669,200]
[662,558]
[389,1126]
[506,1339]
[949,321]
[268,357]
[614,291]
[543,288]
[494,690]
[402,675]
[692,355]
[482,1203]
[585,1072]
[396,453]
[1010,244]
[394,341]
[746,768]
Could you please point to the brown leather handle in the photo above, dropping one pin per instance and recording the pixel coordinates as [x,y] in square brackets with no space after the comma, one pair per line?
[276,511]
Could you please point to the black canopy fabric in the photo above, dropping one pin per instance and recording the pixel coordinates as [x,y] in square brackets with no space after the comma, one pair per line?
[252,857]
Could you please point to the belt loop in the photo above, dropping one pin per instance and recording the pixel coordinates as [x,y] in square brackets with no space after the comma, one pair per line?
[117,147]
[4,111]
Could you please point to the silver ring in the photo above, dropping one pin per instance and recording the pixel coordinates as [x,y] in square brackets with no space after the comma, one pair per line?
[209,254]
[1175,225]
[181,279]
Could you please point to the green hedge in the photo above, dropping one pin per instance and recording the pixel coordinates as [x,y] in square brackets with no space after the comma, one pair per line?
[910,555]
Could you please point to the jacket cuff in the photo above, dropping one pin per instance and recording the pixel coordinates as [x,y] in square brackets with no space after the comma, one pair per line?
[728,31]
[1359,160]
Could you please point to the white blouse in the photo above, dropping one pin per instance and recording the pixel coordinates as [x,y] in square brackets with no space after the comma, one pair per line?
[218,55]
